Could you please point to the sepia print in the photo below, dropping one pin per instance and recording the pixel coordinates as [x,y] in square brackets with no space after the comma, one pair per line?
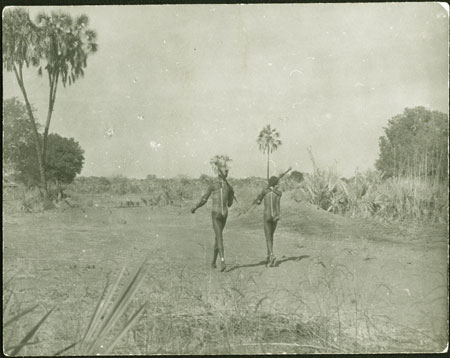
[219,179]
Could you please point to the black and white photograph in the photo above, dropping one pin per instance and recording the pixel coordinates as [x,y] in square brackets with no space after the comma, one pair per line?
[225,179]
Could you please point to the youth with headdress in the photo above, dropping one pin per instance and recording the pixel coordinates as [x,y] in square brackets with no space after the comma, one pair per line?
[222,198]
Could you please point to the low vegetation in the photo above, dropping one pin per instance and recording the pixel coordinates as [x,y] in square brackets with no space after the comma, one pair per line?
[370,195]
[365,195]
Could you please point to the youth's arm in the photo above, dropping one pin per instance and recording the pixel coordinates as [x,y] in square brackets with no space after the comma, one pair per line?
[260,197]
[203,199]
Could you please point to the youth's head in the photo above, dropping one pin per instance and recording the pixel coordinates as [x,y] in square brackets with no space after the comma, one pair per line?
[273,181]
[220,164]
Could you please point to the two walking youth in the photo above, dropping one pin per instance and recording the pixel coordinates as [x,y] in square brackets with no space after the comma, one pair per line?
[222,198]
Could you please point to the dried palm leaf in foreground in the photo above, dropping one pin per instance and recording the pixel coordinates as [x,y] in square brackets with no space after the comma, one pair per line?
[14,350]
[109,310]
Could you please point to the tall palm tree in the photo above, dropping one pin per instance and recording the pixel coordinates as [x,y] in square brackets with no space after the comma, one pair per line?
[268,141]
[64,45]
[19,38]
[61,43]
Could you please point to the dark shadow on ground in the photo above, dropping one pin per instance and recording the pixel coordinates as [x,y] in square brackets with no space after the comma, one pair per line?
[263,263]
[291,258]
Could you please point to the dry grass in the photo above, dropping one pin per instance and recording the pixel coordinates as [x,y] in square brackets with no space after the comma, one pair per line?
[341,320]
[238,326]
[369,195]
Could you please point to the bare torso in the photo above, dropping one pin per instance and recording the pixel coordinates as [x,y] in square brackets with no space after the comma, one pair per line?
[219,192]
[271,197]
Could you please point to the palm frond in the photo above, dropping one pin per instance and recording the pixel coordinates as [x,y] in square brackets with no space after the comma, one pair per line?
[30,334]
[93,47]
[65,349]
[19,315]
[127,326]
[10,348]
[91,35]
[98,312]
[8,305]
[103,320]
[82,20]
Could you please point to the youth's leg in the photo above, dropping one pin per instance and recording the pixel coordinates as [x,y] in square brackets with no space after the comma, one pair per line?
[267,233]
[223,223]
[217,225]
[217,220]
[273,228]
[216,252]
[217,233]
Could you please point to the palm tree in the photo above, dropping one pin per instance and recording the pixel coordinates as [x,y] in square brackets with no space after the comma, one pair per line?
[19,36]
[268,141]
[61,43]
[64,45]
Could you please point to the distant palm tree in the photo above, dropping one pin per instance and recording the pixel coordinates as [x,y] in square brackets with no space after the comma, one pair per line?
[268,141]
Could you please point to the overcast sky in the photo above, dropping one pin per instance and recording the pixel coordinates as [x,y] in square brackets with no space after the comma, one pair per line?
[176,84]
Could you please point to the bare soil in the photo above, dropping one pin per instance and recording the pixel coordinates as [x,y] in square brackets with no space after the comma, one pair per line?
[371,287]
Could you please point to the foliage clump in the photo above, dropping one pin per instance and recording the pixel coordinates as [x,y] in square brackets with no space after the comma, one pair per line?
[64,160]
[415,144]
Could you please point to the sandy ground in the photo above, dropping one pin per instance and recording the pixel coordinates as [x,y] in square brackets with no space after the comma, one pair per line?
[383,286]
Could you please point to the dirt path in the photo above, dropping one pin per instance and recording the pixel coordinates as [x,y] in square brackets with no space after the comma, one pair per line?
[368,281]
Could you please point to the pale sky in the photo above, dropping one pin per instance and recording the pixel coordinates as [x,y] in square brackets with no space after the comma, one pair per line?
[177,84]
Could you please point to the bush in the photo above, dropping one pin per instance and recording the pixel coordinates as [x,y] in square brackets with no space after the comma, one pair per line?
[296,176]
[370,194]
[325,189]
